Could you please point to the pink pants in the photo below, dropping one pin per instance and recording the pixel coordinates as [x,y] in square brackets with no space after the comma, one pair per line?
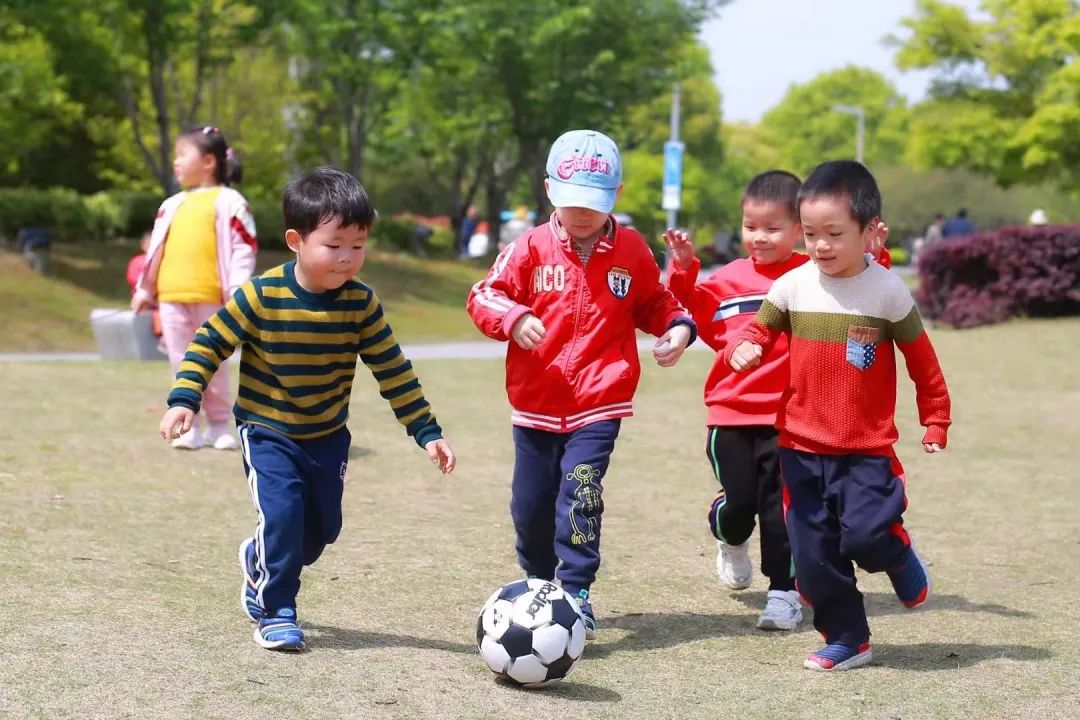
[179,321]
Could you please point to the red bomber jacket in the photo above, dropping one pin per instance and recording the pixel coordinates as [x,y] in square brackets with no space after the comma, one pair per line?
[586,369]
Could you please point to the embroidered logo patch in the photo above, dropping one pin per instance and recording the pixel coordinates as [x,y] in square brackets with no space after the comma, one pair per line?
[618,280]
[862,345]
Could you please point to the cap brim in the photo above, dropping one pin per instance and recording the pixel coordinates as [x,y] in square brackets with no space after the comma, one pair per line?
[563,194]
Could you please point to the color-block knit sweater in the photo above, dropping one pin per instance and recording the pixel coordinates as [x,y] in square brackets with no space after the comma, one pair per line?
[841,396]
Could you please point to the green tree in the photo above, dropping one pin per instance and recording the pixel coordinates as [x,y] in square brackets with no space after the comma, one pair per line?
[709,197]
[804,130]
[34,102]
[1006,96]
[139,66]
[559,65]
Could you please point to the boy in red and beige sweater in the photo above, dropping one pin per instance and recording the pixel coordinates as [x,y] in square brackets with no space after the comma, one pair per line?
[741,440]
[843,485]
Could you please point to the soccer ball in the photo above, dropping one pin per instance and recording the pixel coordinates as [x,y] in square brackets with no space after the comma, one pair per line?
[530,632]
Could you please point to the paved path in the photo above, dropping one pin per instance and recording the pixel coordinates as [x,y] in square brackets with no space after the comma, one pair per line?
[473,350]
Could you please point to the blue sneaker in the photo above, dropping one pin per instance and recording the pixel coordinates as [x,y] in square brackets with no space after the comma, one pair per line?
[280,631]
[249,601]
[582,599]
[835,657]
[911,579]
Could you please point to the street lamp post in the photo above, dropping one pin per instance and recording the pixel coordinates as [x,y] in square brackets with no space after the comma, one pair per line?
[860,128]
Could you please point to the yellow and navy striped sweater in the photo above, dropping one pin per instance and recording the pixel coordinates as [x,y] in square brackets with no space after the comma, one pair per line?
[299,357]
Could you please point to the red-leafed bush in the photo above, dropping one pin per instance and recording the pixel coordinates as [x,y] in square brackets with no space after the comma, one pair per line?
[988,277]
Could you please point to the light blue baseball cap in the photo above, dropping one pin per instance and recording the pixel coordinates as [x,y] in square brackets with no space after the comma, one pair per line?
[584,170]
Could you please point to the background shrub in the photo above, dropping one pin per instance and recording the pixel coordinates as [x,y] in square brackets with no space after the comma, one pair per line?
[988,277]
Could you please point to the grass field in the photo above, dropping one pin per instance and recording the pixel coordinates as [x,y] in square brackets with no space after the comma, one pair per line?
[120,590]
[40,314]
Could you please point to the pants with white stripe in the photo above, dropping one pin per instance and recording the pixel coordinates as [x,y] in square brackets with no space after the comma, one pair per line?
[557,501]
[744,460]
[296,486]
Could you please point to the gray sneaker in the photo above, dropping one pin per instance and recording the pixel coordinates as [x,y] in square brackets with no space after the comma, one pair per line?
[783,611]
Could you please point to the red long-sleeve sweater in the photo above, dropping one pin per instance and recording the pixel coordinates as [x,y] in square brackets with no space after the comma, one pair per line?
[841,396]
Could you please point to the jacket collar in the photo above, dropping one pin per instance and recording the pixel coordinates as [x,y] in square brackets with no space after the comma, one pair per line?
[605,243]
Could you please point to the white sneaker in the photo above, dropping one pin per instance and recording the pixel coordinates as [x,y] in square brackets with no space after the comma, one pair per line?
[733,565]
[191,440]
[221,438]
[783,611]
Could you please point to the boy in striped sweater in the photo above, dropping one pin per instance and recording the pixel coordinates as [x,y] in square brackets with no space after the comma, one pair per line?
[843,485]
[302,326]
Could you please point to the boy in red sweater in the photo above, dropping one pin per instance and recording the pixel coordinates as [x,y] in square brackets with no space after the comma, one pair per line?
[843,485]
[571,294]
[741,441]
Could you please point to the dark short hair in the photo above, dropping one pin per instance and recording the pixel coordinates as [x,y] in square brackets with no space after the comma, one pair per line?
[845,179]
[209,140]
[325,194]
[962,212]
[776,186]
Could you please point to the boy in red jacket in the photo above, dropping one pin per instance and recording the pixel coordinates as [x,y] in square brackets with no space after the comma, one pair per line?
[741,442]
[571,294]
[844,489]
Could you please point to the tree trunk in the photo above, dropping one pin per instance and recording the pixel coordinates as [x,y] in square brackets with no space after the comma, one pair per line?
[157,54]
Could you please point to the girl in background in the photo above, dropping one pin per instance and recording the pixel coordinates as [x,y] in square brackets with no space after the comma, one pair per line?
[202,248]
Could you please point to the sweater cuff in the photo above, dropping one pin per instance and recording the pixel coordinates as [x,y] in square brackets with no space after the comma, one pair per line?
[429,432]
[184,398]
[688,322]
[936,434]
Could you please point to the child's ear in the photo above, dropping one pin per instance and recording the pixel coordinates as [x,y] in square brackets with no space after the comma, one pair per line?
[618,191]
[293,240]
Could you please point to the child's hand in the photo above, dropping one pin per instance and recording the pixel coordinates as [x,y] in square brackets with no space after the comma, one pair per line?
[746,356]
[440,453]
[932,447]
[681,249]
[671,345]
[176,416]
[877,239]
[528,332]
[140,301]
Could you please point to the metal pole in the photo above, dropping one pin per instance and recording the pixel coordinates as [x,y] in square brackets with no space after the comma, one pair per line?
[674,135]
[860,130]
[860,125]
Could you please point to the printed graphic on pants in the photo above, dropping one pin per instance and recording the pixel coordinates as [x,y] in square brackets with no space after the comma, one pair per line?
[586,504]
[862,345]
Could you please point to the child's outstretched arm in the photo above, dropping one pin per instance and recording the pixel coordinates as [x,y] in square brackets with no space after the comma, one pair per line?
[399,385]
[214,342]
[496,303]
[696,297]
[931,393]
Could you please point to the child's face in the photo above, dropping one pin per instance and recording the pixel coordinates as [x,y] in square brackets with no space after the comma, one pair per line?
[330,255]
[833,237]
[190,166]
[769,231]
[582,223]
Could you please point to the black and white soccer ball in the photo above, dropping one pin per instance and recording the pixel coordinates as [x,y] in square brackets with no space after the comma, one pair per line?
[530,632]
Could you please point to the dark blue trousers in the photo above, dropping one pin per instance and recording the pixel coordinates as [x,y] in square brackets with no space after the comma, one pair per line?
[557,501]
[296,486]
[841,509]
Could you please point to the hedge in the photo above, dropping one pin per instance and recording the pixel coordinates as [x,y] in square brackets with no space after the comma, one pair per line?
[989,277]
